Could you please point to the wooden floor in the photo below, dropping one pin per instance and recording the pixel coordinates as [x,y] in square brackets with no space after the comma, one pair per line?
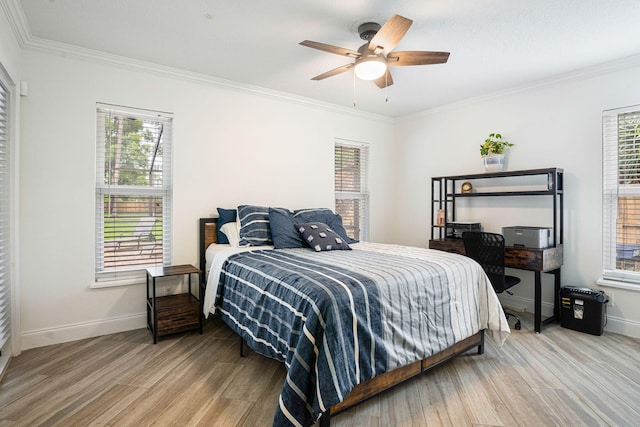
[557,378]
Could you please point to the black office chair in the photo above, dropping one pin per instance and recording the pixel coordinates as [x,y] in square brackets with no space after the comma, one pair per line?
[488,250]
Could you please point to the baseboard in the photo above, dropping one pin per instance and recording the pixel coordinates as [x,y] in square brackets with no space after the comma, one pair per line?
[78,331]
[526,305]
[622,326]
[614,324]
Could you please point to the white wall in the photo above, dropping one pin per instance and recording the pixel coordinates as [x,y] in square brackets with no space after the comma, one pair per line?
[237,146]
[231,147]
[552,125]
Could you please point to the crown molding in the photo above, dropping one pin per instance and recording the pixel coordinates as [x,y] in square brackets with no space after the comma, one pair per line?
[18,22]
[70,51]
[588,72]
[27,41]
[20,27]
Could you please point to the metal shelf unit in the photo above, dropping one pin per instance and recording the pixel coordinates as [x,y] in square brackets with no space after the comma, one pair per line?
[446,189]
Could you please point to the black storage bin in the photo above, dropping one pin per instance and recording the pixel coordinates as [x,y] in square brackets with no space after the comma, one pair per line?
[583,309]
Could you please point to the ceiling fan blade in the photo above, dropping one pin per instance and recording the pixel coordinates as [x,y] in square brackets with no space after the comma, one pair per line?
[417,58]
[384,81]
[391,33]
[333,72]
[329,48]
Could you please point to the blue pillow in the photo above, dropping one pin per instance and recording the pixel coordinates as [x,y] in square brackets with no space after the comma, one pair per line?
[225,216]
[283,230]
[306,213]
[254,225]
[325,215]
[335,222]
[320,237]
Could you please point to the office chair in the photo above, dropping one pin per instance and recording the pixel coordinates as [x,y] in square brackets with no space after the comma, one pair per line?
[488,250]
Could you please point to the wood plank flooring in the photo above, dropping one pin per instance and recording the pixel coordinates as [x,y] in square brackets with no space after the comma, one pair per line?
[558,378]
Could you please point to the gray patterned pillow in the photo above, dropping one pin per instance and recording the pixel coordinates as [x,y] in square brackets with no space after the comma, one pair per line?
[325,215]
[320,237]
[254,225]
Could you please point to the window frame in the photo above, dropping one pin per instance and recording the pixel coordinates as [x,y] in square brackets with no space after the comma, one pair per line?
[9,307]
[132,275]
[363,195]
[612,191]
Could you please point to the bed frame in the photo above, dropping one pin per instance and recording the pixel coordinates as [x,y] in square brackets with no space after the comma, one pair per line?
[374,386]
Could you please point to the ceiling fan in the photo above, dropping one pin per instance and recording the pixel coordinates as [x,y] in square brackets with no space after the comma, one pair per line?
[373,58]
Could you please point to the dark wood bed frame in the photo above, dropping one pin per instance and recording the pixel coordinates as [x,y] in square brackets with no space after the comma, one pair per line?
[374,386]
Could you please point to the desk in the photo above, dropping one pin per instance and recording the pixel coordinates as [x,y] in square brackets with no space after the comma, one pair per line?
[548,260]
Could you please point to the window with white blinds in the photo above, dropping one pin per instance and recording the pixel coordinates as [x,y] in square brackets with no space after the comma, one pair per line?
[5,279]
[133,190]
[621,194]
[352,193]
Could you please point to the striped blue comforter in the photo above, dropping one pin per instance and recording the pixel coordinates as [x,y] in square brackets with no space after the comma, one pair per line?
[339,318]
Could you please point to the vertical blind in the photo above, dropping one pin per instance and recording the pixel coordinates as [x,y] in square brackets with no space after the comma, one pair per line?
[133,189]
[621,194]
[351,188]
[5,282]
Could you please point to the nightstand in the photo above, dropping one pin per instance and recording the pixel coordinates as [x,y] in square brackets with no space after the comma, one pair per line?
[170,314]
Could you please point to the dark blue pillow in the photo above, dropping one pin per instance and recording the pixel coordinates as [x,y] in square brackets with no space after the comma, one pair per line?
[254,225]
[225,216]
[320,237]
[283,230]
[307,213]
[325,215]
[335,222]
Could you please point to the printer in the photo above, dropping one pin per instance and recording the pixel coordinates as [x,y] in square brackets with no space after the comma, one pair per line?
[527,237]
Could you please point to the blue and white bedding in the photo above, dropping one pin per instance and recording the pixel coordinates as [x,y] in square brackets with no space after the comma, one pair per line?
[339,318]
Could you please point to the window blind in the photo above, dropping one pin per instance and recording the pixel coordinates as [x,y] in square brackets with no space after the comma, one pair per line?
[621,194]
[351,188]
[133,190]
[5,281]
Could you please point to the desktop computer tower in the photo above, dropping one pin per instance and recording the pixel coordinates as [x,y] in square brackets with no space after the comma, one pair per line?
[583,309]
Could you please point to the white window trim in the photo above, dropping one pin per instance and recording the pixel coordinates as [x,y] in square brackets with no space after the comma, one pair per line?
[136,276]
[123,279]
[607,283]
[363,195]
[13,347]
[612,277]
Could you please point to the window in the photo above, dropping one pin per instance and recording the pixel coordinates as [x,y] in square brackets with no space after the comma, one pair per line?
[621,197]
[133,190]
[352,194]
[5,241]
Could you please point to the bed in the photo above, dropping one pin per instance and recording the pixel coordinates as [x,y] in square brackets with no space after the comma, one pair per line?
[348,324]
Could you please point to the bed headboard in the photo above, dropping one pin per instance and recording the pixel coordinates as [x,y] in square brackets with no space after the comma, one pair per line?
[208,235]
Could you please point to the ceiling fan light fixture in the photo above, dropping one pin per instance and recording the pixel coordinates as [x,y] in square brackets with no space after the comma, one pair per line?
[373,57]
[370,67]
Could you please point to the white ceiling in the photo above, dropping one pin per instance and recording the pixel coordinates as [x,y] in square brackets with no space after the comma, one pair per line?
[495,45]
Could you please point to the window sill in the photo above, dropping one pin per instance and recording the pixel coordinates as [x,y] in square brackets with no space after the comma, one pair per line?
[138,279]
[608,283]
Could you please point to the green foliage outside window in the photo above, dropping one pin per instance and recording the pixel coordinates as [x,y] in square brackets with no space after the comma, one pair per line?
[132,147]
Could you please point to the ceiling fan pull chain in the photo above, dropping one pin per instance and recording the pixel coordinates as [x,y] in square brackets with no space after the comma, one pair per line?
[386,87]
[354,90]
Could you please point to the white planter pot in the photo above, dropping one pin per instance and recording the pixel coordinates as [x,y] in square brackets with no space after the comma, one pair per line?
[493,162]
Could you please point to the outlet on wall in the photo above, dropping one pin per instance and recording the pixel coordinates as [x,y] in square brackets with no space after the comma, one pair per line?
[611,299]
[167,291]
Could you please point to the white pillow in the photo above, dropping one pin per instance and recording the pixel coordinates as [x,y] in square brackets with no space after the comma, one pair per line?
[230,229]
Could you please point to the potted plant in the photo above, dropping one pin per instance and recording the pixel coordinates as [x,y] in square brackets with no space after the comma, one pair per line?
[492,152]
